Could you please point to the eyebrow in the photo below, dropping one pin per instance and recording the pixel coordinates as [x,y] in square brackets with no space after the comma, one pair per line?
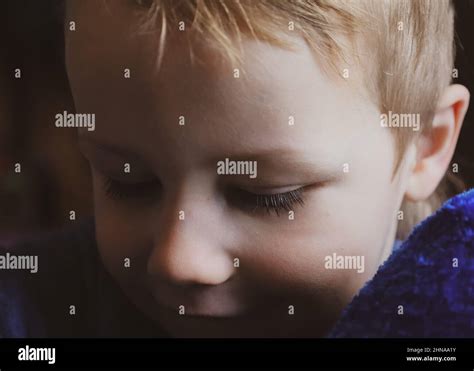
[287,158]
[283,157]
[86,142]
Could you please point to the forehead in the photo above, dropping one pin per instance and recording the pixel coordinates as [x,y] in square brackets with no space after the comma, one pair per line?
[256,99]
[115,31]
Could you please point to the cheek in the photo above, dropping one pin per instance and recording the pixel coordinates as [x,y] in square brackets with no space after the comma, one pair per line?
[341,220]
[289,264]
[122,240]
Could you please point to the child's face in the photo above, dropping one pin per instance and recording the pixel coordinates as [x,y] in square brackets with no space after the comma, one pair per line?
[173,168]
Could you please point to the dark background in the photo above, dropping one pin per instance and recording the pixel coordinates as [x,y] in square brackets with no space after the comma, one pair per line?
[54,178]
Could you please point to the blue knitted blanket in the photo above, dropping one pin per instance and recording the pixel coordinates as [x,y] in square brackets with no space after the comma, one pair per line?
[426,287]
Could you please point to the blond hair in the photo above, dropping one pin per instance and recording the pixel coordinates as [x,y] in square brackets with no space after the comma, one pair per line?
[411,45]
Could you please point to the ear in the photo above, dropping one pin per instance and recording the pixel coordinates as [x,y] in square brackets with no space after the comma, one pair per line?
[435,149]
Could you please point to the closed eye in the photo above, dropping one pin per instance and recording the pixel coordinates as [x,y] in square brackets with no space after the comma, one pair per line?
[248,201]
[275,202]
[121,190]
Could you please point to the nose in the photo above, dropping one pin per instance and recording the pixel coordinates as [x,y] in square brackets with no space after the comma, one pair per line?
[190,251]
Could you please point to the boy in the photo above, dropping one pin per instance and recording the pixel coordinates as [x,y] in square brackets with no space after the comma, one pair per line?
[345,109]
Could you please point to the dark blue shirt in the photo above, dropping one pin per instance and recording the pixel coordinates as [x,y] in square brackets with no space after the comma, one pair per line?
[70,272]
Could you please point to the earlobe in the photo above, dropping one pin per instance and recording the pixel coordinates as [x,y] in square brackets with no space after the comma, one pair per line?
[435,149]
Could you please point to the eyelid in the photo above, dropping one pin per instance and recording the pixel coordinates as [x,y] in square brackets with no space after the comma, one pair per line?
[279,201]
[256,203]
[129,181]
[272,190]
[119,190]
[125,178]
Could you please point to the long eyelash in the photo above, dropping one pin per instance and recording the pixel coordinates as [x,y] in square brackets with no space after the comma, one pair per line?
[279,201]
[118,190]
[268,202]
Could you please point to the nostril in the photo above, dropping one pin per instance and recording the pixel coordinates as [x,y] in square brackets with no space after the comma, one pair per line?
[187,253]
[189,272]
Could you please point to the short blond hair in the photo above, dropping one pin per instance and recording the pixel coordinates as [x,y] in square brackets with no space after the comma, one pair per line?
[411,46]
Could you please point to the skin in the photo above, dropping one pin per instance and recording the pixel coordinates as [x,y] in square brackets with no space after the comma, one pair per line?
[190,262]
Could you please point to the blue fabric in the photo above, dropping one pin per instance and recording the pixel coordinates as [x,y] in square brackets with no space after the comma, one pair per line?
[419,291]
[13,324]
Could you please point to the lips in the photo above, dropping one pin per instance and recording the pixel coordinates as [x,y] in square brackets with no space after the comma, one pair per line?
[220,301]
[206,305]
